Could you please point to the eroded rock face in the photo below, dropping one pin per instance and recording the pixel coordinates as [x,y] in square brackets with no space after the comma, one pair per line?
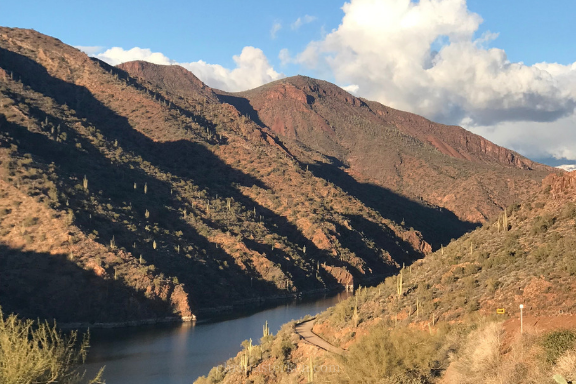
[452,140]
[561,184]
[342,276]
[400,151]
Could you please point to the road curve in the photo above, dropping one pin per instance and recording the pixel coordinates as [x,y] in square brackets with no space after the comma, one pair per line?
[304,330]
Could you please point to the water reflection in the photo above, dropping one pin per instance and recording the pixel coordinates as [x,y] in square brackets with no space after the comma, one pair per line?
[180,353]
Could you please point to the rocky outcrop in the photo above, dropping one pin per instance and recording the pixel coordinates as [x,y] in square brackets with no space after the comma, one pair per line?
[560,185]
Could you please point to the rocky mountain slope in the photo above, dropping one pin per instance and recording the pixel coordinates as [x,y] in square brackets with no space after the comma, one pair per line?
[349,137]
[437,321]
[156,202]
[135,192]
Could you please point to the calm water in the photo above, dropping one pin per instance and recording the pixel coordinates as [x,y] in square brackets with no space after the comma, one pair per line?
[180,353]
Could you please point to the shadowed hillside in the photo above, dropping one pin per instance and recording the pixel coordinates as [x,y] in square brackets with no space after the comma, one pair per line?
[437,322]
[445,166]
[177,203]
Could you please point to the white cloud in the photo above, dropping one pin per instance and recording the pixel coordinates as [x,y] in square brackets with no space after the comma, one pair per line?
[284,56]
[352,88]
[534,139]
[567,167]
[422,57]
[306,19]
[117,55]
[274,30]
[252,67]
[252,70]
[89,50]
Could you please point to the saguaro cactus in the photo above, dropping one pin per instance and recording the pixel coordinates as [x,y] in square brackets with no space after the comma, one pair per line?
[560,379]
[399,283]
[85,183]
[310,370]
[265,329]
[244,363]
[355,316]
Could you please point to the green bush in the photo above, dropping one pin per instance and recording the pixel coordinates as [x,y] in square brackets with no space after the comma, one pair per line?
[558,342]
[410,354]
[30,221]
[281,348]
[542,224]
[36,352]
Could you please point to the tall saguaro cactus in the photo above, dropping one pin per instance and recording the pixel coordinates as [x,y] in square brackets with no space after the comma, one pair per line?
[310,370]
[355,316]
[399,283]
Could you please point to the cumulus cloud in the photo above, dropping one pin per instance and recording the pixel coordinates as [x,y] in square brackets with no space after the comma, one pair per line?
[567,167]
[274,30]
[352,88]
[89,50]
[252,67]
[117,55]
[306,19]
[537,140]
[423,57]
[252,70]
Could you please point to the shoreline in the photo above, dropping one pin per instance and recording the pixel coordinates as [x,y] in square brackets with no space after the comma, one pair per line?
[203,315]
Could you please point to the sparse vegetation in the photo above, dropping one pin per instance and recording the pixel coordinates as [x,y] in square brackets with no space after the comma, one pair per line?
[37,352]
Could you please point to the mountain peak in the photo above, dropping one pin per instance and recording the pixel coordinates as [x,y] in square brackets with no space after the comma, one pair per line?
[174,77]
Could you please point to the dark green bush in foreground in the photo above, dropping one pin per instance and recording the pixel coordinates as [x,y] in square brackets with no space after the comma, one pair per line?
[36,352]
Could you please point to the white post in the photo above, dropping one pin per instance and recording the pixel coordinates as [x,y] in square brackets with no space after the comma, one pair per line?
[521,319]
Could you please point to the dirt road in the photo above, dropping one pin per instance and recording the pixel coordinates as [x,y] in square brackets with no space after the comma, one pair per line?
[304,330]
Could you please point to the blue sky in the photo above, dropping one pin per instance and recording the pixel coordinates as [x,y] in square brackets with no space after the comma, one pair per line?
[529,30]
[369,46]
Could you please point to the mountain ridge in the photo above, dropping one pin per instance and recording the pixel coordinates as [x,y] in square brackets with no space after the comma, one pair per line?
[188,204]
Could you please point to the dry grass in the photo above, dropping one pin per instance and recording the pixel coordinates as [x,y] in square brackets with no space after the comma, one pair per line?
[485,358]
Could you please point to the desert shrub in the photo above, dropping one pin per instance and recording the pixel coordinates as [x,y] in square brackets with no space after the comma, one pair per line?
[30,221]
[448,279]
[492,285]
[282,347]
[566,365]
[472,269]
[515,207]
[472,306]
[569,211]
[404,355]
[215,375]
[556,343]
[480,359]
[36,352]
[542,253]
[542,224]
